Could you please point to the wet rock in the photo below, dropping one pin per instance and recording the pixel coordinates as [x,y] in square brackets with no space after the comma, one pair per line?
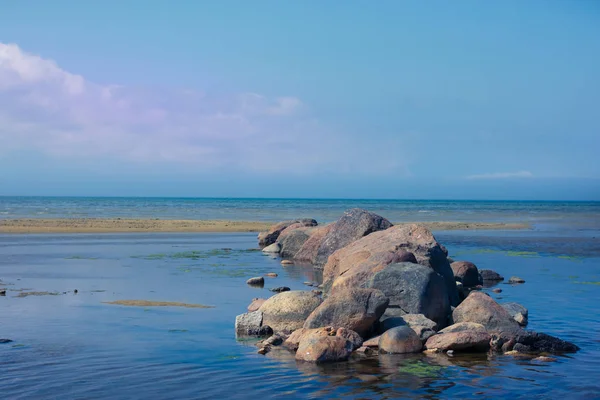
[271,275]
[516,279]
[544,359]
[351,336]
[323,349]
[274,340]
[356,263]
[287,311]
[353,225]
[287,262]
[272,248]
[400,340]
[537,342]
[365,350]
[354,309]
[280,289]
[271,236]
[518,312]
[255,305]
[480,308]
[413,289]
[497,290]
[466,272]
[293,341]
[2,341]
[264,350]
[490,275]
[464,341]
[256,281]
[251,324]
[464,326]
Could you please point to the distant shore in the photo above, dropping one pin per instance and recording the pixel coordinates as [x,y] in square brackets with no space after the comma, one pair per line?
[118,225]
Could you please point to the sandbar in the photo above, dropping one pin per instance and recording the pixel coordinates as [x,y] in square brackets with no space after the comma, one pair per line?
[118,225]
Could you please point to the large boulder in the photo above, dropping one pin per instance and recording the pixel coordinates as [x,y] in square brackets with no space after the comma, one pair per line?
[251,324]
[480,308]
[293,341]
[518,312]
[354,309]
[400,340]
[466,272]
[269,237]
[292,239]
[412,289]
[353,225]
[308,251]
[323,349]
[352,265]
[467,341]
[285,312]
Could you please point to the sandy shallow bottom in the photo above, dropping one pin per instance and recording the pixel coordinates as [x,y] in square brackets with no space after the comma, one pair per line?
[118,225]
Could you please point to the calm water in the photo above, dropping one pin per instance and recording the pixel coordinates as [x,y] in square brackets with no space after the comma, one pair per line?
[74,346]
[568,215]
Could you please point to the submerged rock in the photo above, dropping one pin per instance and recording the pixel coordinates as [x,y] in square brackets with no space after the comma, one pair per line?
[354,309]
[2,341]
[280,289]
[466,272]
[400,340]
[287,311]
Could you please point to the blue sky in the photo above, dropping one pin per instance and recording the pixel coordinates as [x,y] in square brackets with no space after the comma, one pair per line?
[400,99]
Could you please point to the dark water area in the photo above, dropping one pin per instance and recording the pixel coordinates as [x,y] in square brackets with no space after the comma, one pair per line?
[78,347]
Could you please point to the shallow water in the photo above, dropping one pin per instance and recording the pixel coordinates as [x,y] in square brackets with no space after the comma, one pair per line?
[75,346]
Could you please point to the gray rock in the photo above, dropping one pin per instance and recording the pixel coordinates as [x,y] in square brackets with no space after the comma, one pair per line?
[292,240]
[280,289]
[489,275]
[464,326]
[518,312]
[354,309]
[413,289]
[400,340]
[271,236]
[516,279]
[353,225]
[286,312]
[272,248]
[423,326]
[251,324]
[256,281]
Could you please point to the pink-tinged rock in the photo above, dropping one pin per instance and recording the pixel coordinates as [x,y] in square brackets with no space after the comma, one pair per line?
[466,341]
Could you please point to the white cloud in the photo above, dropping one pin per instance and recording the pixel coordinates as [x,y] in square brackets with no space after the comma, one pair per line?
[503,175]
[52,111]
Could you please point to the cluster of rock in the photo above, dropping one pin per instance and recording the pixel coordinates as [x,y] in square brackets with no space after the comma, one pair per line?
[386,288]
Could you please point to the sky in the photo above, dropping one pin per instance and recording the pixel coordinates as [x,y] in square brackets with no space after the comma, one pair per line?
[353,99]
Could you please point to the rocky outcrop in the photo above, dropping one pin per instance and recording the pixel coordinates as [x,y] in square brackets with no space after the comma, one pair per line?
[480,308]
[466,272]
[353,225]
[308,251]
[356,263]
[534,342]
[354,309]
[400,340]
[465,341]
[285,312]
[267,238]
[413,289]
[518,312]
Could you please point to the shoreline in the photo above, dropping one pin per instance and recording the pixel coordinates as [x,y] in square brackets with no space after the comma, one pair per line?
[119,225]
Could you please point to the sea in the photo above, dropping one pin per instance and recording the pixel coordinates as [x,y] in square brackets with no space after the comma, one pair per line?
[67,344]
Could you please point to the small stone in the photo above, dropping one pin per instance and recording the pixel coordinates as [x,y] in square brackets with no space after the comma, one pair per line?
[256,281]
[2,292]
[263,350]
[450,352]
[545,359]
[516,279]
[273,248]
[271,275]
[497,290]
[308,283]
[5,341]
[365,350]
[287,262]
[75,291]
[280,289]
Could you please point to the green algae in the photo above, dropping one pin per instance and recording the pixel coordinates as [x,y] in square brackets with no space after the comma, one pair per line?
[80,258]
[588,283]
[422,369]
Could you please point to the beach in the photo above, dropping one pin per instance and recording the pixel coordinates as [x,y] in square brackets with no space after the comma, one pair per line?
[119,225]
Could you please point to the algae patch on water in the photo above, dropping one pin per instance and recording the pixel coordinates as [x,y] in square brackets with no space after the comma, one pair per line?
[199,254]
[421,369]
[26,294]
[150,303]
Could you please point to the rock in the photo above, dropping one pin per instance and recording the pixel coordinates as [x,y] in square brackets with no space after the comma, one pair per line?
[293,341]
[354,264]
[353,225]
[2,341]
[535,342]
[256,281]
[489,275]
[413,289]
[317,292]
[271,236]
[354,309]
[255,305]
[251,324]
[292,239]
[466,272]
[516,279]
[287,311]
[274,340]
[272,275]
[308,283]
[400,340]
[308,251]
[372,342]
[3,292]
[480,308]
[351,336]
[272,248]
[466,341]
[280,289]
[263,350]
[287,262]
[544,359]
[518,312]
[497,290]
[365,350]
[462,327]
[323,349]
[423,326]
